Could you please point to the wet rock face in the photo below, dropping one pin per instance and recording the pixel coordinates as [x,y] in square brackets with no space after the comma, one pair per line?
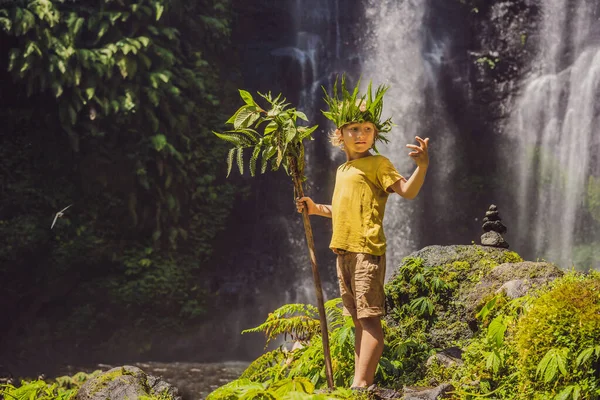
[515,279]
[461,267]
[126,383]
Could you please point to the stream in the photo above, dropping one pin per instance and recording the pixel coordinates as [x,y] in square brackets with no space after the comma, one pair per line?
[194,380]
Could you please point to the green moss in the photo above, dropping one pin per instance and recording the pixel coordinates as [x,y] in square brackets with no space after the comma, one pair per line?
[512,257]
[540,345]
[102,380]
[437,373]
[567,316]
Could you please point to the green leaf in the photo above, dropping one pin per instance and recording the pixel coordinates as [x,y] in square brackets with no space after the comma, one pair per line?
[103,29]
[247,97]
[230,160]
[285,386]
[487,308]
[246,116]
[271,127]
[240,160]
[422,306]
[496,330]
[553,362]
[290,131]
[77,26]
[236,138]
[90,92]
[144,40]
[305,132]
[493,361]
[565,393]
[159,10]
[301,115]
[253,159]
[158,141]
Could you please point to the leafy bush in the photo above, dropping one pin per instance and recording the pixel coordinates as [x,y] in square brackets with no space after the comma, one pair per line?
[541,346]
[64,388]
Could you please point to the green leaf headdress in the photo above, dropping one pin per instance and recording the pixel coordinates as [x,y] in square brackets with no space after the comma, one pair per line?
[346,107]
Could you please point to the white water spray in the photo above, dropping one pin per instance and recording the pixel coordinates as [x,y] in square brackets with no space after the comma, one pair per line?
[393,54]
[554,124]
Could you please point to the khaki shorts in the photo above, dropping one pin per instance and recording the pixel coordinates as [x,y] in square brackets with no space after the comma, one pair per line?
[361,277]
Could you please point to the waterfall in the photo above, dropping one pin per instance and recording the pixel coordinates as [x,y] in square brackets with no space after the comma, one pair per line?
[313,49]
[554,126]
[399,51]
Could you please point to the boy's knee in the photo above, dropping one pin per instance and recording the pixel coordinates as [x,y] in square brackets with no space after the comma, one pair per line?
[370,323]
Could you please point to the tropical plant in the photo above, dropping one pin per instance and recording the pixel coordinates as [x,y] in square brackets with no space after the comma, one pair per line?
[111,108]
[281,142]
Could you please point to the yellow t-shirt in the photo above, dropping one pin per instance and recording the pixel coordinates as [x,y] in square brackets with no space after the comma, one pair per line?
[358,204]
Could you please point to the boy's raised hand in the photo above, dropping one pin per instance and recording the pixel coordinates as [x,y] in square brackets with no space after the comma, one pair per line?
[420,153]
[302,201]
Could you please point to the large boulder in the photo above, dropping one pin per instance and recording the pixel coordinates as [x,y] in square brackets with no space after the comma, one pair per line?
[126,383]
[461,268]
[472,274]
[514,279]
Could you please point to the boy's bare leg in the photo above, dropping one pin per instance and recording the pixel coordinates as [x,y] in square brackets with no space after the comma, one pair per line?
[369,350]
[357,339]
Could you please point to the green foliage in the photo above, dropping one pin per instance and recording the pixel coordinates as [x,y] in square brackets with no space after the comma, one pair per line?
[285,389]
[541,346]
[284,321]
[345,107]
[490,62]
[301,323]
[65,388]
[111,108]
[37,390]
[280,142]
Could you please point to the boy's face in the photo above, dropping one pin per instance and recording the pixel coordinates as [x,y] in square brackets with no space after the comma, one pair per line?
[359,136]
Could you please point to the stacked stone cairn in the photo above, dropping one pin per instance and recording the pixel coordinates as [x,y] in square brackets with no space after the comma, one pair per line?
[493,229]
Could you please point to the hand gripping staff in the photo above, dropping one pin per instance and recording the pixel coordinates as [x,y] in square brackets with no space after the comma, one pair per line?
[280,142]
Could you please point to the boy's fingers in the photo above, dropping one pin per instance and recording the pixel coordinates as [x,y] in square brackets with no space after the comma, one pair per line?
[423,142]
[415,148]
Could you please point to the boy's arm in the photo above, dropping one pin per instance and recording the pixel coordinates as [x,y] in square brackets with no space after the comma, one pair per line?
[324,210]
[409,189]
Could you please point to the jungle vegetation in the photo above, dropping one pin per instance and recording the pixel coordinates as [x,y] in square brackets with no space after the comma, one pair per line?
[109,106]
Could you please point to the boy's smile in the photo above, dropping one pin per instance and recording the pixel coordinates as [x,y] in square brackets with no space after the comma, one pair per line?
[358,139]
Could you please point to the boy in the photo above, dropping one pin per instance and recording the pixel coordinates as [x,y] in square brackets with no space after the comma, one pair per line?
[362,186]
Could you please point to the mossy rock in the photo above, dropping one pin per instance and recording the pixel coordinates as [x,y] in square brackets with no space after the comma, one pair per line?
[461,268]
[566,319]
[126,383]
[525,275]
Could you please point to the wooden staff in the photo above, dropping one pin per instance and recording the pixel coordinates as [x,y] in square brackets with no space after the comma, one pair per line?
[311,250]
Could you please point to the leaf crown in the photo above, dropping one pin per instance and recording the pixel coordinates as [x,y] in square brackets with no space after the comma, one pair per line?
[346,107]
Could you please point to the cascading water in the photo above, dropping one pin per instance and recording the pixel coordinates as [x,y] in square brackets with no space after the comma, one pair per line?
[315,46]
[398,51]
[555,127]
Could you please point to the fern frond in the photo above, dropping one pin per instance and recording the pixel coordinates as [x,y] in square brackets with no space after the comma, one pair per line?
[297,320]
[240,160]
[333,310]
[262,368]
[236,138]
[253,159]
[230,160]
